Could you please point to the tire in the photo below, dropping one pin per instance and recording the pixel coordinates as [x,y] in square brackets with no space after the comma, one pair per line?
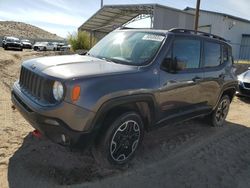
[125,133]
[44,49]
[5,47]
[219,115]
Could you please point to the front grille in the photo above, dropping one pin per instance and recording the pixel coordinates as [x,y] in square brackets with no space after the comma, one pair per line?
[247,85]
[36,85]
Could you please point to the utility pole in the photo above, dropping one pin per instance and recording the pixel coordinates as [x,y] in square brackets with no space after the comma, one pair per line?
[197,10]
[101,3]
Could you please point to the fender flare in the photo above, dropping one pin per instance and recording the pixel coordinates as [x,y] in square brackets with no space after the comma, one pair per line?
[225,88]
[115,102]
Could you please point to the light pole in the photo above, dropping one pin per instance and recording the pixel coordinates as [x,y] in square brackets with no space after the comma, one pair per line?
[197,10]
[101,3]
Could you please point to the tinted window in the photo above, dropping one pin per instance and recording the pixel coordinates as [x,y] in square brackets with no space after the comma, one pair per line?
[187,53]
[212,54]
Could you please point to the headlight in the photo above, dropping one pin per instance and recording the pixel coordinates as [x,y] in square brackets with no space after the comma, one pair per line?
[239,80]
[58,90]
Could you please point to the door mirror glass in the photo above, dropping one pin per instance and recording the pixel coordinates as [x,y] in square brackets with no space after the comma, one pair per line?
[173,65]
[167,64]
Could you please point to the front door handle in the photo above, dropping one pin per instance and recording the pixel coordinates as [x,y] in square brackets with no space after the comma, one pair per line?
[197,78]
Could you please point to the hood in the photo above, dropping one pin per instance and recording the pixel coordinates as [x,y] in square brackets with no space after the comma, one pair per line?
[75,66]
[244,77]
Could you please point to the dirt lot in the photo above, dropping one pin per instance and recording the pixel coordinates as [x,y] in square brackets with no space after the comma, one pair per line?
[191,154]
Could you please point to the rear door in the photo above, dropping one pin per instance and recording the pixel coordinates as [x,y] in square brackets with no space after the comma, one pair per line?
[214,70]
[181,93]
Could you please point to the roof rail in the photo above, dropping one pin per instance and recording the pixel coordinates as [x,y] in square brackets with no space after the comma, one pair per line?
[124,27]
[189,31]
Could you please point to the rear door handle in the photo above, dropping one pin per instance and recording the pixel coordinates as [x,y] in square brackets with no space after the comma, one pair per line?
[197,78]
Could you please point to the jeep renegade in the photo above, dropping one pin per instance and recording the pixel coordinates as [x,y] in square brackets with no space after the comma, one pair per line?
[131,81]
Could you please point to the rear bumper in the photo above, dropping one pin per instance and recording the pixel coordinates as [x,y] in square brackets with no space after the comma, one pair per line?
[50,121]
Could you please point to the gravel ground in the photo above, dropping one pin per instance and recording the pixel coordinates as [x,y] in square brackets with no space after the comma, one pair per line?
[191,154]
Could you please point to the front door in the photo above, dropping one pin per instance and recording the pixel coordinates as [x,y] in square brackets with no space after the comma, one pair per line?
[180,89]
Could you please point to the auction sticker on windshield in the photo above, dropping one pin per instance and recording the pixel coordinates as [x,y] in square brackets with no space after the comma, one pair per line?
[153,37]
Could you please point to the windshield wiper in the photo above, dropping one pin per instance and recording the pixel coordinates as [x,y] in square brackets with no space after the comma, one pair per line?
[107,59]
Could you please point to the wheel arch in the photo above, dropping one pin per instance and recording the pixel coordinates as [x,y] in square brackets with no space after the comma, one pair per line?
[144,105]
[230,91]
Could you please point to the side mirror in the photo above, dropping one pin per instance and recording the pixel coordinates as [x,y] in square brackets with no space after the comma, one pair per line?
[168,65]
[173,65]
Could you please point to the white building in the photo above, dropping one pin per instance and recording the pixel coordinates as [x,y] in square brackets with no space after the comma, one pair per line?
[235,30]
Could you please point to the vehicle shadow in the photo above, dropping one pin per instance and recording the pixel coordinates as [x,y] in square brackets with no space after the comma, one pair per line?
[40,163]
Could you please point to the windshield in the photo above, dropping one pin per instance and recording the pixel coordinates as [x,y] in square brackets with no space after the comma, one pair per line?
[128,47]
[12,40]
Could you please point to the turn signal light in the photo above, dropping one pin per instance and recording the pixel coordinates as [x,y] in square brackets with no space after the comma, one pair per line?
[75,93]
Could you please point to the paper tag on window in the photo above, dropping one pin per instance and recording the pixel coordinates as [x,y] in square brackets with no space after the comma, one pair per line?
[153,37]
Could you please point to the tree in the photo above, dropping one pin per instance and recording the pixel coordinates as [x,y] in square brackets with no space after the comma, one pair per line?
[79,40]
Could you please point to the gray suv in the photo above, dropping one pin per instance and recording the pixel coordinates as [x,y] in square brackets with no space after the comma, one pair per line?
[132,81]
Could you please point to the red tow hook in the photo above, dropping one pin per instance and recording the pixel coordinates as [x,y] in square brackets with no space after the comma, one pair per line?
[36,133]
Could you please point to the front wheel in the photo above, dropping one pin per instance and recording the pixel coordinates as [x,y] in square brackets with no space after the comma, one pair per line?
[121,141]
[220,113]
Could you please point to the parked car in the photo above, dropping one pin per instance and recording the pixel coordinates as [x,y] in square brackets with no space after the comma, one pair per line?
[44,46]
[244,83]
[26,44]
[12,43]
[65,47]
[60,46]
[133,80]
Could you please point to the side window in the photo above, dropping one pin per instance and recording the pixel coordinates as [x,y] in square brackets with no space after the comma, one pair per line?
[186,52]
[212,54]
[225,54]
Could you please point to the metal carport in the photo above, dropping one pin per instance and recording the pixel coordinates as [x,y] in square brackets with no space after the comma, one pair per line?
[109,17]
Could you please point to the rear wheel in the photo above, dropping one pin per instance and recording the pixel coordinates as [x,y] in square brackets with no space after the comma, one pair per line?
[220,113]
[121,141]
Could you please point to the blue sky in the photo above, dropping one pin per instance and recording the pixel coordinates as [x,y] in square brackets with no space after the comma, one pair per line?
[63,16]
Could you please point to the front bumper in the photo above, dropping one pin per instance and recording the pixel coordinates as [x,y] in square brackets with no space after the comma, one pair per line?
[13,46]
[243,91]
[64,124]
